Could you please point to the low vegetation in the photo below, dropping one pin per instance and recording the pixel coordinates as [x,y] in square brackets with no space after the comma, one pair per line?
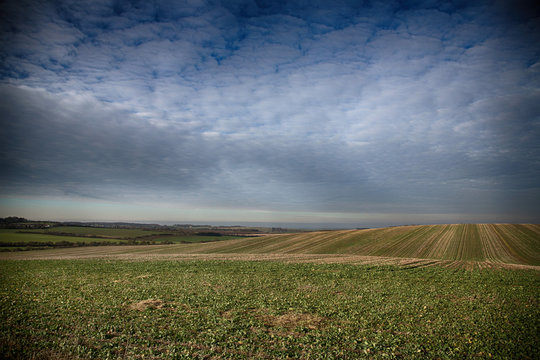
[88,231]
[77,236]
[437,292]
[92,309]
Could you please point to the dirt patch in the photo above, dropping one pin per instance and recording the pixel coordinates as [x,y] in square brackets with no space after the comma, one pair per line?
[290,323]
[292,320]
[148,304]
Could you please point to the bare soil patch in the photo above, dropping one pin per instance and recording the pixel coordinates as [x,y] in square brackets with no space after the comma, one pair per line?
[290,323]
[291,320]
[148,304]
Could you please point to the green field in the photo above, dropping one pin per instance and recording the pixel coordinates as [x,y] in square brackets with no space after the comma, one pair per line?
[15,236]
[17,239]
[241,309]
[436,292]
[97,231]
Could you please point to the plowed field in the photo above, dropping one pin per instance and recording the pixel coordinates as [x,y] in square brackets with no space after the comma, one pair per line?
[488,244]
[504,243]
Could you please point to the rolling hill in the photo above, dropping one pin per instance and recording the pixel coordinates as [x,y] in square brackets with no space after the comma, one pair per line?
[479,243]
[498,243]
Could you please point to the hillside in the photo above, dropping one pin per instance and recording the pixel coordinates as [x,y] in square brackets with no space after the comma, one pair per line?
[499,243]
[486,244]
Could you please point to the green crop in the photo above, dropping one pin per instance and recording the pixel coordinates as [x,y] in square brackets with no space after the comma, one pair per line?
[99,231]
[15,239]
[91,309]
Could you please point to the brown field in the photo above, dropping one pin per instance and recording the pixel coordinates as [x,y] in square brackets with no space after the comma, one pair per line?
[455,245]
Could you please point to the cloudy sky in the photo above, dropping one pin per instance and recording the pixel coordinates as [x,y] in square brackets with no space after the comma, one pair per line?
[360,112]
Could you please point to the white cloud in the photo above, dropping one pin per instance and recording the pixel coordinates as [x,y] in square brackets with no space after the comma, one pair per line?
[335,109]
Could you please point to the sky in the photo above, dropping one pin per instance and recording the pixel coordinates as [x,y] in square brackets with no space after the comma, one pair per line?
[364,113]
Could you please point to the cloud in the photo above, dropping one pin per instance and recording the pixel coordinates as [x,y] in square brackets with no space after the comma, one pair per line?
[419,107]
[77,140]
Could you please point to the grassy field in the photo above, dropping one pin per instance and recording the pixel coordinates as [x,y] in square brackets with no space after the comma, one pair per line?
[438,291]
[97,231]
[16,239]
[92,309]
[15,236]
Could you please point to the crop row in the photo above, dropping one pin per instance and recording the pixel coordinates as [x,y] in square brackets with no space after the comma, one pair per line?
[504,243]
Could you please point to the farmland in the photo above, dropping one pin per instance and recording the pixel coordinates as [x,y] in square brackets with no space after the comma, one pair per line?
[437,291]
[519,244]
[98,231]
[516,244]
[483,245]
[11,236]
[237,309]
[66,236]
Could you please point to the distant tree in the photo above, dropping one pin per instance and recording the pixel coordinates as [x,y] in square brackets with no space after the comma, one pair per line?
[12,220]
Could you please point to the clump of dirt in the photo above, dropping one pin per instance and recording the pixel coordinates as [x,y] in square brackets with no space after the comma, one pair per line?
[148,304]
